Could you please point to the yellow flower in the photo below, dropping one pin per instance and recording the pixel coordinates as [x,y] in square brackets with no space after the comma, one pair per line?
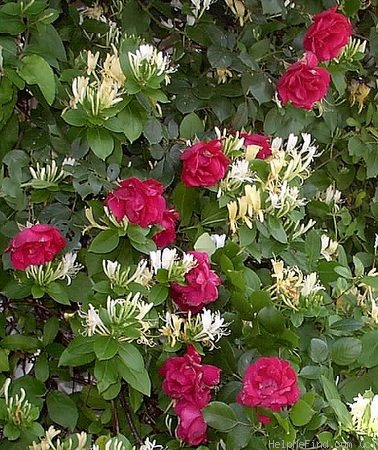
[358,93]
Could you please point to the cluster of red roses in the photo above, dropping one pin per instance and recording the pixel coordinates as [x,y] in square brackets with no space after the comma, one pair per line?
[189,384]
[204,163]
[35,245]
[269,383]
[143,203]
[305,83]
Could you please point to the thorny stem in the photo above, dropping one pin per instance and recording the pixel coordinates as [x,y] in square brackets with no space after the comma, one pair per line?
[129,417]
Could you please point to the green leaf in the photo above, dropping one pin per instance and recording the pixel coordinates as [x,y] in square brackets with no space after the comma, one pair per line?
[220,416]
[318,350]
[205,244]
[35,70]
[301,413]
[100,141]
[41,368]
[313,247]
[131,357]
[105,242]
[190,126]
[272,319]
[78,353]
[370,281]
[132,119]
[261,88]
[58,292]
[62,409]
[185,200]
[369,353]
[140,381]
[158,294]
[105,347]
[153,131]
[277,230]
[106,374]
[20,342]
[346,350]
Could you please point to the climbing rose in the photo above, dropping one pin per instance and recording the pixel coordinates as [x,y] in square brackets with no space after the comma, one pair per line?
[168,234]
[304,83]
[204,164]
[192,427]
[141,201]
[35,245]
[185,378]
[201,286]
[260,140]
[270,383]
[329,33]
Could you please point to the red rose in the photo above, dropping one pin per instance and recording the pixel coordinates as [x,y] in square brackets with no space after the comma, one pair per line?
[269,382]
[303,83]
[36,245]
[140,201]
[260,140]
[329,33]
[192,427]
[264,420]
[168,234]
[204,164]
[201,286]
[186,379]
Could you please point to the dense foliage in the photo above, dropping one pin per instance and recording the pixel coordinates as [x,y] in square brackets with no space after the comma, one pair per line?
[188,223]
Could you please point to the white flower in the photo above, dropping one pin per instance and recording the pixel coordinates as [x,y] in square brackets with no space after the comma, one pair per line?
[364,413]
[219,240]
[92,61]
[68,161]
[163,259]
[150,445]
[213,325]
[328,248]
[93,323]
[240,171]
[332,197]
[147,62]
[310,285]
[376,243]
[49,173]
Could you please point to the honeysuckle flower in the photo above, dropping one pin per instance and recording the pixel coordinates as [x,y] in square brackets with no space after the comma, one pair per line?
[300,229]
[49,173]
[79,91]
[106,222]
[121,277]
[364,412]
[19,410]
[150,445]
[122,318]
[169,260]
[92,60]
[67,268]
[293,288]
[328,247]
[147,63]
[112,68]
[332,196]
[358,93]
[219,240]
[223,74]
[284,200]
[206,327]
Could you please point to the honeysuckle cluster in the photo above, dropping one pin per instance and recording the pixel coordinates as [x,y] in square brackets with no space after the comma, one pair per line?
[275,195]
[148,64]
[206,328]
[65,269]
[332,197]
[294,289]
[82,441]
[122,318]
[147,272]
[20,412]
[105,222]
[364,412]
[101,88]
[49,175]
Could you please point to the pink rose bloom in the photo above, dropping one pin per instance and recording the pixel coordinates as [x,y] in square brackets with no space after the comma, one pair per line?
[192,427]
[36,245]
[304,83]
[271,383]
[201,286]
[141,201]
[204,164]
[260,140]
[185,378]
[168,234]
[327,36]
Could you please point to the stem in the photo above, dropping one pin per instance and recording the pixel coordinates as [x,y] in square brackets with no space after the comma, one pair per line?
[128,415]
